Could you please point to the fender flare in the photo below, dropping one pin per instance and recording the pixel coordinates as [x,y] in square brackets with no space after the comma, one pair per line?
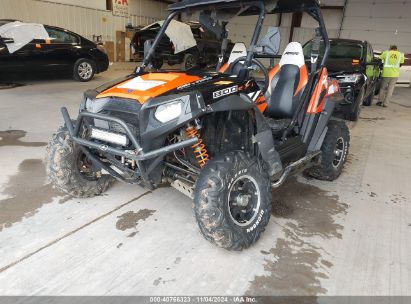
[263,138]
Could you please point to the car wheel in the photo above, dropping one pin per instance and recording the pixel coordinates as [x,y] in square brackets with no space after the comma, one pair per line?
[84,70]
[355,109]
[232,200]
[334,152]
[368,101]
[157,63]
[189,61]
[377,88]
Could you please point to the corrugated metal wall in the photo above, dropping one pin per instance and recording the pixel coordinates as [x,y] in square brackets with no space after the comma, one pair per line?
[381,22]
[242,28]
[84,21]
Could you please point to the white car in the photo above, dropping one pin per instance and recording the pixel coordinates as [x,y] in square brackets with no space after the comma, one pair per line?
[405,75]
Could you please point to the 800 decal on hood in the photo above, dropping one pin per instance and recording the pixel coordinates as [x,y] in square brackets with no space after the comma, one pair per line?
[226,91]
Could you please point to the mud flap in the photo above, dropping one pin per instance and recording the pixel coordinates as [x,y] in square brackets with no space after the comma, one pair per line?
[266,147]
[265,141]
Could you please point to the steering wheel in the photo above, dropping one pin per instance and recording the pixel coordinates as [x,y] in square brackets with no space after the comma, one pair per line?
[262,68]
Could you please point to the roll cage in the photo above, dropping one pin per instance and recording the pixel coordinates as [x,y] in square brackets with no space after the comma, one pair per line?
[245,8]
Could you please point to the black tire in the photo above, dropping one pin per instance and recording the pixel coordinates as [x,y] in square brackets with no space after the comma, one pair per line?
[377,88]
[62,165]
[84,70]
[368,101]
[189,61]
[355,109]
[157,63]
[219,217]
[332,164]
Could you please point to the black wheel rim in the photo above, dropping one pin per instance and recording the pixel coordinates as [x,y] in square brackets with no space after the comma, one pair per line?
[244,200]
[339,152]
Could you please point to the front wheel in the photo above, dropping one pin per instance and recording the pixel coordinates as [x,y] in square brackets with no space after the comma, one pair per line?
[232,200]
[355,109]
[69,170]
[189,61]
[84,70]
[334,152]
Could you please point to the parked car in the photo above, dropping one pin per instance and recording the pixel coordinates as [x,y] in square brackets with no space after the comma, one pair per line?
[205,51]
[59,50]
[358,72]
[405,70]
[5,21]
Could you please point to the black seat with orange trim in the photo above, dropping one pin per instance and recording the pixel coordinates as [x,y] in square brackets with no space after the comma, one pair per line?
[287,82]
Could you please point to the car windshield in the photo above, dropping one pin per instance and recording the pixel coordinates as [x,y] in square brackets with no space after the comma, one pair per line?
[338,50]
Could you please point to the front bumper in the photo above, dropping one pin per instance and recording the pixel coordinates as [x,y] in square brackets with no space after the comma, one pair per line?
[136,153]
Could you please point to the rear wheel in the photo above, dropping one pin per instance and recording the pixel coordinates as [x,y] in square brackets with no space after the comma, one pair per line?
[355,109]
[84,70]
[334,152]
[368,101]
[189,61]
[157,63]
[377,88]
[69,169]
[232,200]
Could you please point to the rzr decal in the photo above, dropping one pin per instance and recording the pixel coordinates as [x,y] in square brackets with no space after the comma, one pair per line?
[224,92]
[185,86]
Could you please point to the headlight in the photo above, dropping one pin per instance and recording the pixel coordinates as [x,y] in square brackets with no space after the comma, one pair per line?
[168,111]
[83,104]
[350,78]
[95,105]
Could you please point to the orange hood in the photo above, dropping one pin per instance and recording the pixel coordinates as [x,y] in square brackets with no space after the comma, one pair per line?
[147,86]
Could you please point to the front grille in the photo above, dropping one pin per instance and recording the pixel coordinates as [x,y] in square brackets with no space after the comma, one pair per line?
[130,119]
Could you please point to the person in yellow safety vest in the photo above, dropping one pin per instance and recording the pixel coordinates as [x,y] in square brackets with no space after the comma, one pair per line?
[393,60]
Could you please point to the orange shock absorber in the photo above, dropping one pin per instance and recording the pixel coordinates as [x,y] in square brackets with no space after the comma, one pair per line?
[200,150]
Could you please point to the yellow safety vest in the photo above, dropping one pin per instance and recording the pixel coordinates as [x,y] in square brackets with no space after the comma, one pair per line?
[392,62]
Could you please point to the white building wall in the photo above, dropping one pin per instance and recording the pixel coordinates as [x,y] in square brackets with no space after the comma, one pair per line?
[381,22]
[86,21]
[332,20]
[98,4]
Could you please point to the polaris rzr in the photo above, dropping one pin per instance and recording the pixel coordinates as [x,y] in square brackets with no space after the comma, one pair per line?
[224,138]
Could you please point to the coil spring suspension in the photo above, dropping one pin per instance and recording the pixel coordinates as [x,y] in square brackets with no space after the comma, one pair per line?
[200,150]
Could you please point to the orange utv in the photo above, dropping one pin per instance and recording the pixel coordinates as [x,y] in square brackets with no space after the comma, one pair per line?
[224,137]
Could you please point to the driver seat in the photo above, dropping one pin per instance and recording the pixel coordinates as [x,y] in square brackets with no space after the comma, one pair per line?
[287,82]
[239,50]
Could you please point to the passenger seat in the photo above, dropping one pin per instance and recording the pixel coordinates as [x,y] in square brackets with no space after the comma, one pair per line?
[287,82]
